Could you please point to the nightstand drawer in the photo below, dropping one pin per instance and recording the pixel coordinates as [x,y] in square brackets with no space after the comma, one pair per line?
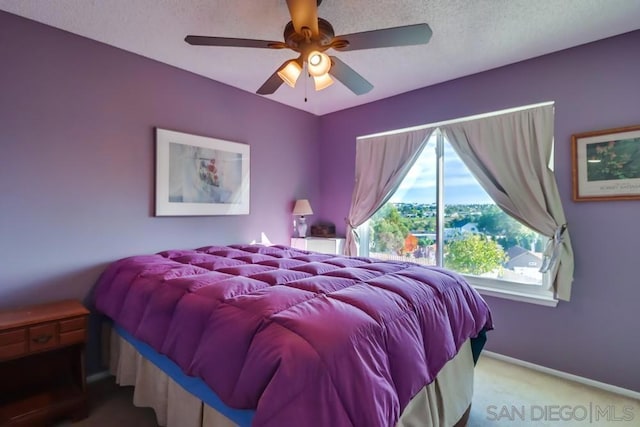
[10,351]
[42,337]
[13,337]
[13,343]
[72,337]
[72,324]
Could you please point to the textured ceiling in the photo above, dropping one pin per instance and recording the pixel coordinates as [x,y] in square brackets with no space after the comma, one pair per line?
[469,36]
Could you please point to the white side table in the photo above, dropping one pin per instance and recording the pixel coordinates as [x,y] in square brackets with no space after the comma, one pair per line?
[326,245]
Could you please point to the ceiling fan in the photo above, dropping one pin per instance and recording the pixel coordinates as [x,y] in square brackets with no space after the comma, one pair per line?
[311,36]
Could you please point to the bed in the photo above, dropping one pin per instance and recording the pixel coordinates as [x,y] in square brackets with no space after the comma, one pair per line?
[263,336]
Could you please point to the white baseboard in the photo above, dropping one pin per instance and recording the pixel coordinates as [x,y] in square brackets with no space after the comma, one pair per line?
[582,380]
[98,376]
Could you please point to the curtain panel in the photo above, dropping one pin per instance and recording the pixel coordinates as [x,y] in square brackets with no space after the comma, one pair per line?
[382,162]
[510,156]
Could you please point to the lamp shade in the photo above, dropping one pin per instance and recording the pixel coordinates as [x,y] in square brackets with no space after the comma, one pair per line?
[302,207]
[290,72]
[323,81]
[318,63]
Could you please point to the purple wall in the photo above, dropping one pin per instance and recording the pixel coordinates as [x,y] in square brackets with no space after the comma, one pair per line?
[77,165]
[77,122]
[595,86]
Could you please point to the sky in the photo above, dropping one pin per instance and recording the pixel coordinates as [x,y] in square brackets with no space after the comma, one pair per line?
[419,186]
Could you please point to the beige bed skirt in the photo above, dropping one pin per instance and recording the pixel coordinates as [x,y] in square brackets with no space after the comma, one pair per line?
[440,404]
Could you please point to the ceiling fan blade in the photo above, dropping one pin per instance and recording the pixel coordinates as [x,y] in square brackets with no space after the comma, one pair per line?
[304,13]
[387,37]
[231,42]
[349,77]
[272,84]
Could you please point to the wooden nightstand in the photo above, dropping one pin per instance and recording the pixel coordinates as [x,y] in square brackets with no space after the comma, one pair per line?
[42,363]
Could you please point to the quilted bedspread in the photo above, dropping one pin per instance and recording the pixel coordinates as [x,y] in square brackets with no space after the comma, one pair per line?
[331,340]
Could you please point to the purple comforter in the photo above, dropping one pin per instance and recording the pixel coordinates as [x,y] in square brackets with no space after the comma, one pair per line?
[331,340]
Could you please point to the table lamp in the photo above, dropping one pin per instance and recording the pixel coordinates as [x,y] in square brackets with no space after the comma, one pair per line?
[302,208]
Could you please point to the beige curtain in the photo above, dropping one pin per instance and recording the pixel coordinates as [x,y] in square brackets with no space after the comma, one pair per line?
[510,156]
[381,164]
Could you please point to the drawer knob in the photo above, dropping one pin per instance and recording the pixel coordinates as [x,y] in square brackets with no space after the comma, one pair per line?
[42,339]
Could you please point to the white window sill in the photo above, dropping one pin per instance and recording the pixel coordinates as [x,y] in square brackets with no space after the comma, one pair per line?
[498,289]
[516,296]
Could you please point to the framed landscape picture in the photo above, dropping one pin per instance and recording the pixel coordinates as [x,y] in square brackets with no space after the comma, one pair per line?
[606,164]
[198,175]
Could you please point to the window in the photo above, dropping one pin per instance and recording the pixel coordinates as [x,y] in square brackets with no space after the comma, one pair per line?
[441,216]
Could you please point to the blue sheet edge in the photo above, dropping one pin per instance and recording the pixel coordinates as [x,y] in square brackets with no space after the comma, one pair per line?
[195,386]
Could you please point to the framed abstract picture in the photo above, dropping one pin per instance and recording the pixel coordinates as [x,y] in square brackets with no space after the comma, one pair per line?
[606,164]
[198,175]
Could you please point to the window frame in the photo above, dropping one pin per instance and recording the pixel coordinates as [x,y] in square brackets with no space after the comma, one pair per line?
[507,289]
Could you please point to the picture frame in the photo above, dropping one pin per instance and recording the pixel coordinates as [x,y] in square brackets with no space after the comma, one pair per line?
[606,164]
[199,175]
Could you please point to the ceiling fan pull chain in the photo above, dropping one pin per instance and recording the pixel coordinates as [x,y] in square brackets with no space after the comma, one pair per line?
[306,81]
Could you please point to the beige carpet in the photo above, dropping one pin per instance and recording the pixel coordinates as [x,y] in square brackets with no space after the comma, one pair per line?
[505,395]
[509,395]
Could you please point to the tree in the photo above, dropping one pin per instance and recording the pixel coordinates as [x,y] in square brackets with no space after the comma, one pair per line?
[388,230]
[425,241]
[506,230]
[410,244]
[492,221]
[474,254]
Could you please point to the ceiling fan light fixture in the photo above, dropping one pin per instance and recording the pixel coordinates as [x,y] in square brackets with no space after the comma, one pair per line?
[323,81]
[318,63]
[311,36]
[290,72]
